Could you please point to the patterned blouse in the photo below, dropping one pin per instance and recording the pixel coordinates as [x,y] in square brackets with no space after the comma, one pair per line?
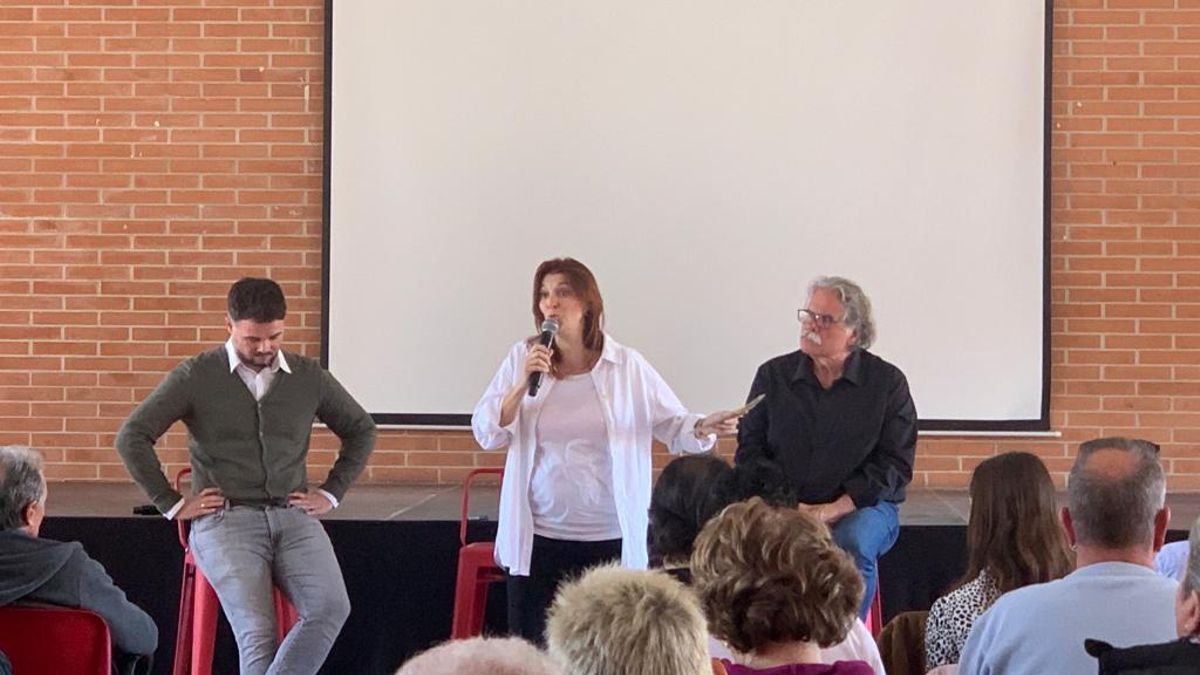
[951,618]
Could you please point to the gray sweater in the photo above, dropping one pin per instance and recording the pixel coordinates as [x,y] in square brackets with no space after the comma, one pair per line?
[44,571]
[251,450]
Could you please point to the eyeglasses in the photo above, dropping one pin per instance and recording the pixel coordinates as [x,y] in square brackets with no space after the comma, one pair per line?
[821,321]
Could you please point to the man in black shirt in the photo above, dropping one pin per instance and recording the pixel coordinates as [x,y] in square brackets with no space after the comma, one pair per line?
[839,423]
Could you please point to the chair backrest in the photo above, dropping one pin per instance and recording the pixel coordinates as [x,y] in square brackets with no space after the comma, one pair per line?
[465,514]
[55,640]
[902,644]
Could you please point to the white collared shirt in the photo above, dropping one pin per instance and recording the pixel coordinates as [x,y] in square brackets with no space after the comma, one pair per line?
[638,407]
[259,383]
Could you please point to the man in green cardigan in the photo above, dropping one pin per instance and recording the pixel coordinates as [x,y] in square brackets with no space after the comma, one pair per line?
[249,408]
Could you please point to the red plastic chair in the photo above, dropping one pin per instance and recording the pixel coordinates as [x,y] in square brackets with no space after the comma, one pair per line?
[198,607]
[476,569]
[55,640]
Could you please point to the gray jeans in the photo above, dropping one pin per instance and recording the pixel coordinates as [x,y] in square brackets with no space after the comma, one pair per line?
[244,551]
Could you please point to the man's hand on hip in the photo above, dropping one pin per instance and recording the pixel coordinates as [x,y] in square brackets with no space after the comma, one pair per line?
[204,502]
[311,502]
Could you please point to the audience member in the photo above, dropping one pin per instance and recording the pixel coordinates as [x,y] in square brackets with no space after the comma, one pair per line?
[692,490]
[1178,657]
[43,571]
[1172,560]
[1014,539]
[776,589]
[616,621]
[488,656]
[1115,519]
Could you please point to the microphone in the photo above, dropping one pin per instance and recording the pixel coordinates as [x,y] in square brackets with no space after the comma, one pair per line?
[549,330]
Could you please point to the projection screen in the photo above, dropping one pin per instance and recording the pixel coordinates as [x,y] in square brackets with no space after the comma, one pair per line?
[705,159]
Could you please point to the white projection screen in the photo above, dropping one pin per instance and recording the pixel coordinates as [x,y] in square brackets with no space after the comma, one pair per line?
[706,159]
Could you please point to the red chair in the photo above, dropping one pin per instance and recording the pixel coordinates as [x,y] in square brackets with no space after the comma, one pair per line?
[198,607]
[875,614]
[55,640]
[476,569]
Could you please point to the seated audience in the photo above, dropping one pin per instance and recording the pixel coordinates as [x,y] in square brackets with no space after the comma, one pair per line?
[1115,519]
[1178,657]
[776,589]
[43,571]
[1172,560]
[615,621]
[694,488]
[1013,539]
[490,656]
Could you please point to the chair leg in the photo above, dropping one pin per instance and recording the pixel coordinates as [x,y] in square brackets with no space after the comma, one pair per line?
[479,602]
[464,600]
[286,615]
[204,627]
[875,615]
[183,627]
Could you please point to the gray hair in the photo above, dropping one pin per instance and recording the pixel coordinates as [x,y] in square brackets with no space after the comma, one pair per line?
[494,656]
[616,621]
[1116,511]
[21,484]
[858,307]
[1191,576]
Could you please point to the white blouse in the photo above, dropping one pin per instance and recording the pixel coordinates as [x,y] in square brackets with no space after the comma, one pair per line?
[638,407]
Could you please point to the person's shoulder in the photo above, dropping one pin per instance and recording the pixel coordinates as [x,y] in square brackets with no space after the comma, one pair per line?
[18,540]
[851,668]
[1020,601]
[298,363]
[783,363]
[878,364]
[207,359]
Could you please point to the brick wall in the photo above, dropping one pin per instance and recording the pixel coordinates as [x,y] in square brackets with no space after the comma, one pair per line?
[151,151]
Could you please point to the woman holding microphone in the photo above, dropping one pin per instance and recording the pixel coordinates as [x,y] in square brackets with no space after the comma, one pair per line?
[577,479]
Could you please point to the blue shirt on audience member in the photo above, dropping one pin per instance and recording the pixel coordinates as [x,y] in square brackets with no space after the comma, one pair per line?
[1040,629]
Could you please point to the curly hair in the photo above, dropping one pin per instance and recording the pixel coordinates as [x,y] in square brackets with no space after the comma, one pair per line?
[767,574]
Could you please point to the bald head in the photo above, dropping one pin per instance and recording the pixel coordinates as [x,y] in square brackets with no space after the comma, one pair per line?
[1114,491]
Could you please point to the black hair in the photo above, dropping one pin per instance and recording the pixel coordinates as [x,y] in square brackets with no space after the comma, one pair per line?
[259,300]
[694,488]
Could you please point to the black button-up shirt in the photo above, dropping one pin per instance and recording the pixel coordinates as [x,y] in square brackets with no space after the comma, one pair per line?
[858,437]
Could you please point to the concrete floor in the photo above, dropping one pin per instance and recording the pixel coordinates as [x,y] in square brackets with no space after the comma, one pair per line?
[442,502]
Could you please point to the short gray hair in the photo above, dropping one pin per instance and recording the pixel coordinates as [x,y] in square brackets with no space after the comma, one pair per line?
[1191,576]
[858,307]
[495,656]
[617,621]
[21,484]
[1116,511]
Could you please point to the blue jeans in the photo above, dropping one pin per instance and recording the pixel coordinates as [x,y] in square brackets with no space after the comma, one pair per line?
[244,551]
[866,534]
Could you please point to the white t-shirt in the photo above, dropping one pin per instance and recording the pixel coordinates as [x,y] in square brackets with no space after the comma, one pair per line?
[570,492]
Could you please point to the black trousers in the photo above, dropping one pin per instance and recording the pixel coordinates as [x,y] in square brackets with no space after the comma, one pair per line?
[553,560]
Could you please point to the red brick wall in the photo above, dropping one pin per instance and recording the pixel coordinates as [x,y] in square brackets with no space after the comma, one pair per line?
[151,151]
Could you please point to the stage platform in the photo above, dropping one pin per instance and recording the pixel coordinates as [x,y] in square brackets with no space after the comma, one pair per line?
[442,502]
[398,545]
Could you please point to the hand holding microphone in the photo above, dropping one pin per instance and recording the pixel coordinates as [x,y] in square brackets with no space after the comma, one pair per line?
[538,359]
